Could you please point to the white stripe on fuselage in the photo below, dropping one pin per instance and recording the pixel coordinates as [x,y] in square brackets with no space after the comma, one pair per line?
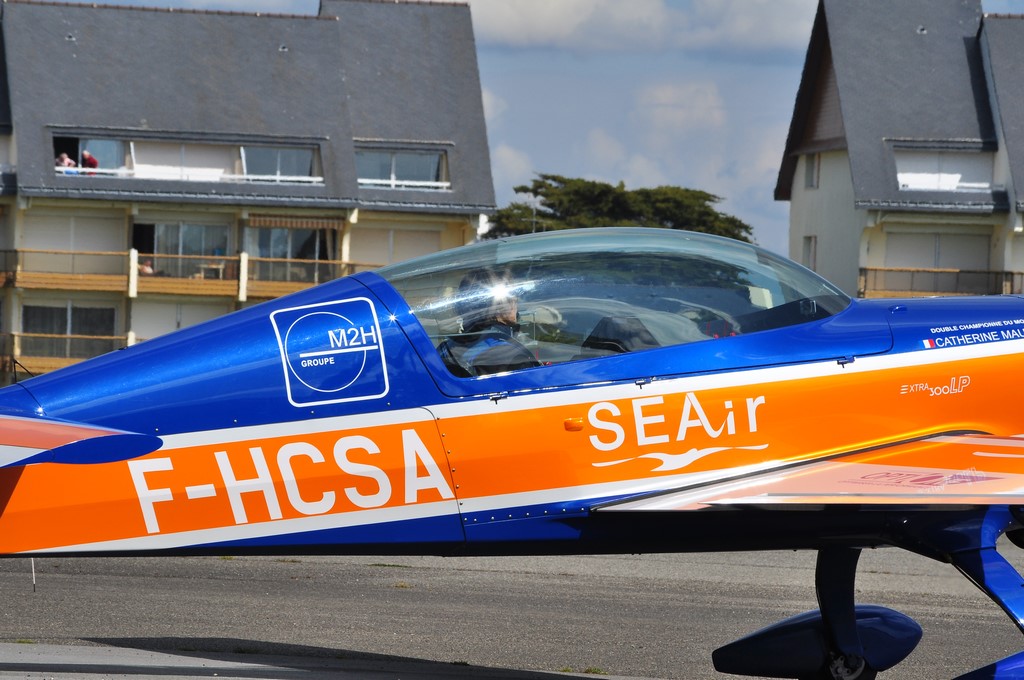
[588,394]
[518,402]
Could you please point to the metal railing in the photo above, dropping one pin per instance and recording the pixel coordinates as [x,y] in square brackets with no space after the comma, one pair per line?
[910,281]
[187,174]
[429,185]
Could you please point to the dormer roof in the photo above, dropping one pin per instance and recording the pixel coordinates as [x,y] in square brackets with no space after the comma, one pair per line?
[899,78]
[385,75]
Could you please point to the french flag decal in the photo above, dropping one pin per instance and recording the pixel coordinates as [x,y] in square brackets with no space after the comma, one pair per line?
[928,343]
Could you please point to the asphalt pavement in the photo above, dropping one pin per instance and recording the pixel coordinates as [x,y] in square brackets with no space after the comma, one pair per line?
[421,618]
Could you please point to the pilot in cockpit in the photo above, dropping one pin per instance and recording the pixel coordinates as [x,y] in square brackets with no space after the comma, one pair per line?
[486,342]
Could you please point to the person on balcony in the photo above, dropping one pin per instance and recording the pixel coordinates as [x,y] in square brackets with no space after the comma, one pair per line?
[88,160]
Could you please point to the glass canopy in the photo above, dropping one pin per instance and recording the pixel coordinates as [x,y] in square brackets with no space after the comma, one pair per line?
[589,293]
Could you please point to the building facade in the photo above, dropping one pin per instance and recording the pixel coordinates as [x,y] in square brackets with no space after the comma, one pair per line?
[159,168]
[906,140]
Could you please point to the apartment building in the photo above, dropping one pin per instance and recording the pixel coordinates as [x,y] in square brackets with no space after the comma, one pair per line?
[905,148]
[159,168]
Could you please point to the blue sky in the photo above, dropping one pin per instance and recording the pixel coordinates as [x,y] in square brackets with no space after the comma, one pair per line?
[694,93]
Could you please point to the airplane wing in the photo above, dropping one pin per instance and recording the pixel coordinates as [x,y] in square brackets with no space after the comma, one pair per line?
[30,440]
[940,471]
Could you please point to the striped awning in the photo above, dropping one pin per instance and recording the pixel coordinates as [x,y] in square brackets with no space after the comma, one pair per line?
[294,222]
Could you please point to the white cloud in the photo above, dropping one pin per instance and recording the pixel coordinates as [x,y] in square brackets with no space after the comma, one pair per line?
[1002,6]
[751,24]
[762,149]
[641,171]
[645,25]
[510,167]
[666,113]
[608,160]
[574,24]
[603,151]
[494,105]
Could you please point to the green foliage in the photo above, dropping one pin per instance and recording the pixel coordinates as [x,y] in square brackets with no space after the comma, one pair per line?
[568,203]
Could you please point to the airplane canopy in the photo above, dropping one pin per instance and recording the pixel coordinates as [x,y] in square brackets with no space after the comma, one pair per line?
[596,292]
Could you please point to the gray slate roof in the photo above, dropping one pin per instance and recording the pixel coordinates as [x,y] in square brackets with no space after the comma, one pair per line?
[909,74]
[411,73]
[1003,39]
[390,71]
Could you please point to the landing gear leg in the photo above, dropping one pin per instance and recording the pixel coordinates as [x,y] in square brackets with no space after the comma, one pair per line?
[969,543]
[990,571]
[839,641]
[834,576]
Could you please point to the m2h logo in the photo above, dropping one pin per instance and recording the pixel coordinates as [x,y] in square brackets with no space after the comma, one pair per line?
[332,352]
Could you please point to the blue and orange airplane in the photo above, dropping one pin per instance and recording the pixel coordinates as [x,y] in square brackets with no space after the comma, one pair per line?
[595,391]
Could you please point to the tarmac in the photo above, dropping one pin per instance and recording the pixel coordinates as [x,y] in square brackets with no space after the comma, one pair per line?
[426,618]
[74,662]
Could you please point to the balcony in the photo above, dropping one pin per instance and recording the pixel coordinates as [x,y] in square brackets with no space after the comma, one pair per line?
[68,270]
[884,282]
[240,276]
[269,277]
[37,353]
[186,174]
[185,275]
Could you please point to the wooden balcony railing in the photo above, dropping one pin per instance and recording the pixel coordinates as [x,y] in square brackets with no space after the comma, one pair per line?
[78,270]
[37,353]
[65,346]
[876,282]
[238,276]
[184,274]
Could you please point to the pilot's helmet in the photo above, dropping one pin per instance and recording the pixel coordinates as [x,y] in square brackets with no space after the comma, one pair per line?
[485,298]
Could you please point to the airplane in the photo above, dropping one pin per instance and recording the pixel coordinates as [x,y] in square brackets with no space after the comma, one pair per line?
[613,390]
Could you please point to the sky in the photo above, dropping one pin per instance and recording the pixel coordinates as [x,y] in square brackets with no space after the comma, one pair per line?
[693,93]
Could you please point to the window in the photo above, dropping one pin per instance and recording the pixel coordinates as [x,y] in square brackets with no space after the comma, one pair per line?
[940,170]
[186,161]
[271,163]
[40,324]
[289,254]
[89,156]
[812,170]
[109,153]
[191,162]
[937,262]
[85,242]
[179,249]
[402,169]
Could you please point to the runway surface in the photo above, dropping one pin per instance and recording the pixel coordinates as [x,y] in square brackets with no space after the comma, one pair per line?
[389,618]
